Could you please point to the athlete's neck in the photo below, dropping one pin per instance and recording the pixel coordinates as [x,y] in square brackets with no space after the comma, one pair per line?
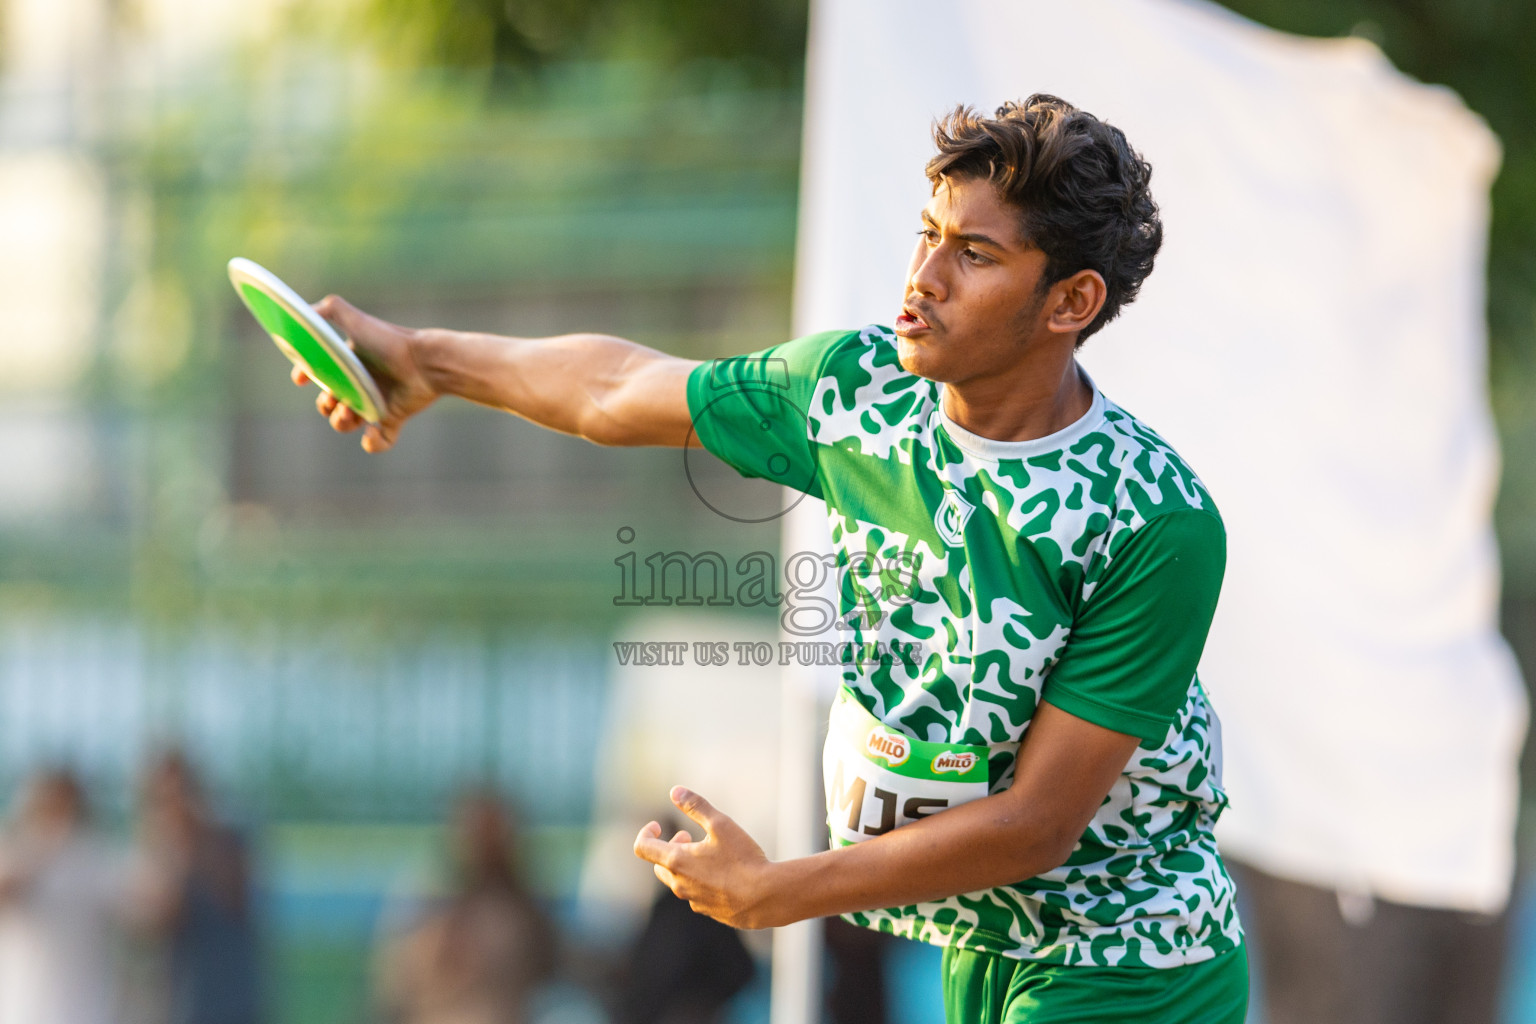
[1020,410]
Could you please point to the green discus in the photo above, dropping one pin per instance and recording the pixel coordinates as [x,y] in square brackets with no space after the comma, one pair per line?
[306,338]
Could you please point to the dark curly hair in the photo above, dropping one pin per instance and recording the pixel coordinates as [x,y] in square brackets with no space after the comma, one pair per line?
[1081,188]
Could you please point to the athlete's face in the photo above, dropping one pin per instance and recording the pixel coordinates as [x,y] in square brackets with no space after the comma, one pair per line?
[971,303]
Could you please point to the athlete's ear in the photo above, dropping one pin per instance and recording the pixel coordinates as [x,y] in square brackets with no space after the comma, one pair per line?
[1075,300]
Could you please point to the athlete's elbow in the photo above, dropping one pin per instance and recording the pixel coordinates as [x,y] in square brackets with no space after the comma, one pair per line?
[599,432]
[1043,845]
[1060,849]
[614,417]
[599,424]
[631,426]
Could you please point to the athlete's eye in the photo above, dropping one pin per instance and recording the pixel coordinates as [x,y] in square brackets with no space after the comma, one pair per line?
[928,235]
[973,257]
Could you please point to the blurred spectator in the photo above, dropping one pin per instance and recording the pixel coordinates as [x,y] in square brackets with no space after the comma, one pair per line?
[196,892]
[683,967]
[1333,957]
[858,956]
[63,897]
[476,956]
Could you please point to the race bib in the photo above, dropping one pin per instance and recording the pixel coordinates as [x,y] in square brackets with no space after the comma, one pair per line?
[878,779]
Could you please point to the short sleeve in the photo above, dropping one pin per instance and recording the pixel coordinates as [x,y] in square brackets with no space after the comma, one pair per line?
[1138,638]
[751,411]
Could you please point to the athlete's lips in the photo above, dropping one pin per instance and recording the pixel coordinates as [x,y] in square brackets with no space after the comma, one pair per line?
[911,322]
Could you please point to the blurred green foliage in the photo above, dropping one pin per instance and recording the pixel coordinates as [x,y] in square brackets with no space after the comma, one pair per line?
[513,37]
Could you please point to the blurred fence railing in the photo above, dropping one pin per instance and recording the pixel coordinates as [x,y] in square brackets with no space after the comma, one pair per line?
[345,727]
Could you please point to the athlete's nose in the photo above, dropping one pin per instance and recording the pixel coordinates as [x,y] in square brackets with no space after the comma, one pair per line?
[926,279]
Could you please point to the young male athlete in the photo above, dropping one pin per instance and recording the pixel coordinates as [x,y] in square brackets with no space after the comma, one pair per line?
[1033,782]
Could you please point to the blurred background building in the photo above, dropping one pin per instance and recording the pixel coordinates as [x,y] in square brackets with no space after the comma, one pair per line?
[339,643]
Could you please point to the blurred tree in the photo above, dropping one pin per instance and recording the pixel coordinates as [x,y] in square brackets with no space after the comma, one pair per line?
[516,36]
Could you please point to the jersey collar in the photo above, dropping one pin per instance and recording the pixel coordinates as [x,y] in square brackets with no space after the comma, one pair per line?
[995,451]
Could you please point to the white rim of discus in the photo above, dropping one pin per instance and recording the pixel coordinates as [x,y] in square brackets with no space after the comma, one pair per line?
[325,334]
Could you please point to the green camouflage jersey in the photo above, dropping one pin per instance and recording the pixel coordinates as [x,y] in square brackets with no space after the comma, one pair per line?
[1081,569]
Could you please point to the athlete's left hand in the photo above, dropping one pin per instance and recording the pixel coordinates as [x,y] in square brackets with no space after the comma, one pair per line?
[725,875]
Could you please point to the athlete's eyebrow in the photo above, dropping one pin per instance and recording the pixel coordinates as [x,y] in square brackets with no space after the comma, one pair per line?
[974,238]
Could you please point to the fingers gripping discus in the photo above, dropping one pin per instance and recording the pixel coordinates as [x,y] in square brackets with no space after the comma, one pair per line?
[306,338]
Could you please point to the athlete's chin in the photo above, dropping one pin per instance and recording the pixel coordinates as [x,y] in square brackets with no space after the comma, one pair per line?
[920,356]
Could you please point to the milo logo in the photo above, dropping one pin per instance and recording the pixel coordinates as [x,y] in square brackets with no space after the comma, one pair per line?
[894,747]
[954,761]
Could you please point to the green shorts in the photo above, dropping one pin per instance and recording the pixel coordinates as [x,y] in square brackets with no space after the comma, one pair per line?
[984,988]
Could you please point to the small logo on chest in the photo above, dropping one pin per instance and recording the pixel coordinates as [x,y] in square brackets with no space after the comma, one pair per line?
[893,746]
[953,761]
[951,517]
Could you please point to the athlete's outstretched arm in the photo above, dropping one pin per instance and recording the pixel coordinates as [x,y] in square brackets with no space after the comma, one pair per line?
[1065,769]
[605,389]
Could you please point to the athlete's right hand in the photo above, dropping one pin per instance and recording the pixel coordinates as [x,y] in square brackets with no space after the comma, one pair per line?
[388,351]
